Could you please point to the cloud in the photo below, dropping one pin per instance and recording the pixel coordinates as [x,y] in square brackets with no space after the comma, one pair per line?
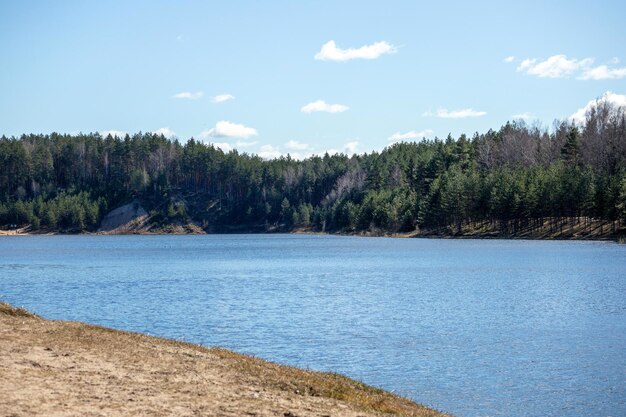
[617,100]
[348,148]
[321,105]
[220,98]
[351,147]
[224,146]
[165,131]
[399,137]
[303,150]
[273,152]
[522,116]
[330,52]
[297,146]
[559,66]
[300,156]
[226,129]
[269,152]
[228,146]
[509,59]
[603,72]
[455,114]
[113,133]
[189,95]
[242,144]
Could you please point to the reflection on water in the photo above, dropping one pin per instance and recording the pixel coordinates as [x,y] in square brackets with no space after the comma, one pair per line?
[475,328]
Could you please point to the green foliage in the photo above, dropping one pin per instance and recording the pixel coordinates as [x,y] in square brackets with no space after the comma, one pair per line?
[64,211]
[65,182]
[571,148]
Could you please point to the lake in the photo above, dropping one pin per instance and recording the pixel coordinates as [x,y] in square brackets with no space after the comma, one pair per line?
[470,327]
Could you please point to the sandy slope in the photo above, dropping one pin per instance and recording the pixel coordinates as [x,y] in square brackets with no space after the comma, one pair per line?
[124,218]
[56,368]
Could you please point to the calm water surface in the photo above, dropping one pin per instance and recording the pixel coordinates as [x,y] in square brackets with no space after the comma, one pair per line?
[471,327]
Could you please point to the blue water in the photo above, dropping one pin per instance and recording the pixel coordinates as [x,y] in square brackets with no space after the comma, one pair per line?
[470,327]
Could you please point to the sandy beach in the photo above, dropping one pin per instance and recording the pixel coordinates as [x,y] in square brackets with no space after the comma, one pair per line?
[58,368]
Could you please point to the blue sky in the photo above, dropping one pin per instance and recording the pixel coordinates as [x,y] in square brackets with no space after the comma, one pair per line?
[425,69]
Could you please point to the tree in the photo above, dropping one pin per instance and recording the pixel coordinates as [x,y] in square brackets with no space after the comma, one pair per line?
[571,148]
[285,209]
[516,173]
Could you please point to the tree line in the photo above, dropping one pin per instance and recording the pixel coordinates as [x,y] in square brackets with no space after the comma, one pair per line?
[518,173]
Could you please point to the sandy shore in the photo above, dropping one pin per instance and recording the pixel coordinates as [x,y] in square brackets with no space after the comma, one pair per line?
[57,368]
[16,232]
[565,230]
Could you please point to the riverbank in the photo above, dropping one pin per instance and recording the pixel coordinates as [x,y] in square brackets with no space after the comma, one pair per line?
[565,228]
[59,368]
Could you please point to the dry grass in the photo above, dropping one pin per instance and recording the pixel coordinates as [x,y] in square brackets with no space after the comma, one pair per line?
[9,310]
[326,384]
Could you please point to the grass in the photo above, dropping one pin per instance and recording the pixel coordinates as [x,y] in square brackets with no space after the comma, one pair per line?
[9,310]
[326,384]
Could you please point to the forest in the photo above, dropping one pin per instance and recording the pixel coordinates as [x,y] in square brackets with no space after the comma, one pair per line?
[519,176]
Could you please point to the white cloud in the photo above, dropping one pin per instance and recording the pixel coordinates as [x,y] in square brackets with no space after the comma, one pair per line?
[226,129]
[189,95]
[351,147]
[224,146]
[269,152]
[322,106]
[455,114]
[297,146]
[273,152]
[617,100]
[220,98]
[330,51]
[113,133]
[522,116]
[557,66]
[399,137]
[348,148]
[300,156]
[509,59]
[303,150]
[227,146]
[242,144]
[165,131]
[603,72]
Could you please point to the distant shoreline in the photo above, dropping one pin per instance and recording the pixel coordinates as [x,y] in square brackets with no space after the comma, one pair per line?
[437,234]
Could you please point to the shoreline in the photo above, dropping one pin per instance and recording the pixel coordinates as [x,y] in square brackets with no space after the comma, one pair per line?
[408,235]
[56,368]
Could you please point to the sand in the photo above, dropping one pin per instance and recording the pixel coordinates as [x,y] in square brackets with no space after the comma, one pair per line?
[57,368]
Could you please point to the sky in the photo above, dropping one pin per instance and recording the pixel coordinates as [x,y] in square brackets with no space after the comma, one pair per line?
[278,77]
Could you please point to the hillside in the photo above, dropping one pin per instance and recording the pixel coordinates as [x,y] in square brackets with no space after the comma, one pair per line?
[519,176]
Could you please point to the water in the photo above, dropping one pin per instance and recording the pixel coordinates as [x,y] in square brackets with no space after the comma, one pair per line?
[471,327]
